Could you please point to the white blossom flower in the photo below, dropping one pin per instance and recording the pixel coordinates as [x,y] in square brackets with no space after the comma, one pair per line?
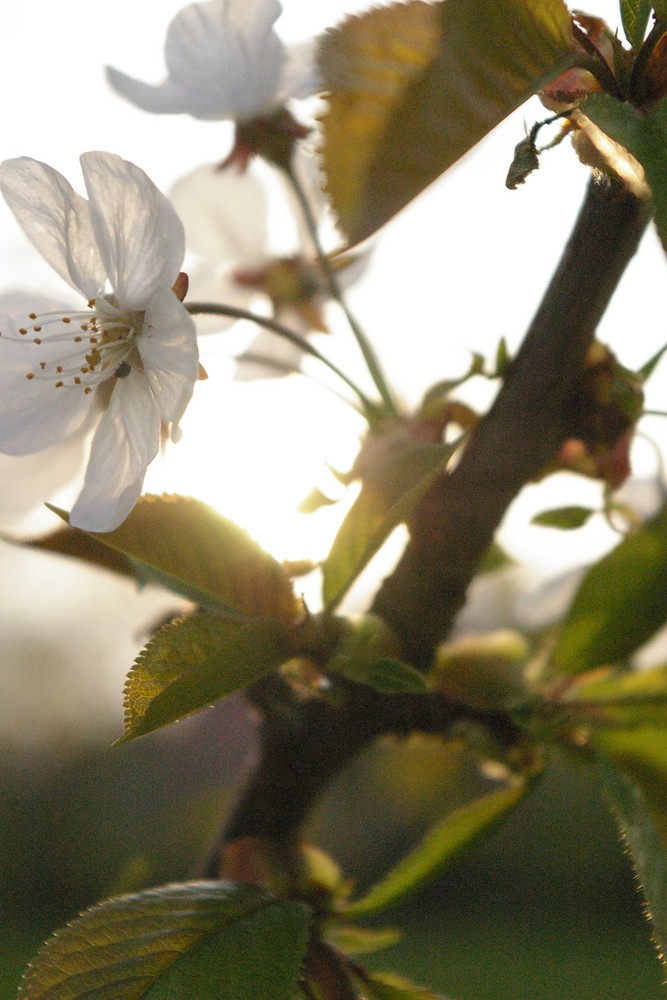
[130,355]
[224,60]
[241,256]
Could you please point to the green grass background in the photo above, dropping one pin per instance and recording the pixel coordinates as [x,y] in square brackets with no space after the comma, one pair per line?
[546,909]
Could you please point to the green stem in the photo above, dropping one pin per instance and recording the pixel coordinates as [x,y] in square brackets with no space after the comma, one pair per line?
[234,312]
[365,347]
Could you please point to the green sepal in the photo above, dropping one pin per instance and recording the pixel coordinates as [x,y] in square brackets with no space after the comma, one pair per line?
[210,940]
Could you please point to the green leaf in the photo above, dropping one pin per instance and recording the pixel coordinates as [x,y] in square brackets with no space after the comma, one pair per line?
[186,546]
[388,496]
[385,986]
[195,661]
[209,940]
[441,845]
[643,135]
[635,15]
[78,545]
[389,676]
[621,602]
[618,699]
[361,940]
[635,809]
[315,500]
[564,518]
[414,86]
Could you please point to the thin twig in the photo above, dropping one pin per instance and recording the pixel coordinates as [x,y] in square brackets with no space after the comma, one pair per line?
[371,359]
[234,312]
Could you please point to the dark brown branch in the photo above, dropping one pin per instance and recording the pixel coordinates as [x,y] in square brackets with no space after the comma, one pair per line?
[522,432]
[304,745]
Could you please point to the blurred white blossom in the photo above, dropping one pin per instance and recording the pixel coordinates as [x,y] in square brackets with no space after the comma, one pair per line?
[224,61]
[128,360]
[237,260]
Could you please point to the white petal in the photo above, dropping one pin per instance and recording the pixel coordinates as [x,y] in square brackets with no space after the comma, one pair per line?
[226,56]
[159,99]
[300,76]
[125,443]
[139,235]
[224,213]
[224,61]
[168,349]
[268,356]
[208,284]
[29,480]
[56,219]
[33,414]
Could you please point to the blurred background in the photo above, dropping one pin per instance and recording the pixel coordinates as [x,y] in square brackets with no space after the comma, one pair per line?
[547,907]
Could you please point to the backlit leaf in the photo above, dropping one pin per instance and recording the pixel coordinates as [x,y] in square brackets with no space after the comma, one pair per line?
[441,845]
[383,986]
[613,698]
[187,547]
[361,940]
[388,496]
[414,86]
[641,814]
[79,545]
[621,602]
[389,676]
[643,135]
[195,661]
[564,518]
[209,940]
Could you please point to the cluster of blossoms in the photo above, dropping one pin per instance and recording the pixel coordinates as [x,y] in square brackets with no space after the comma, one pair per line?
[123,363]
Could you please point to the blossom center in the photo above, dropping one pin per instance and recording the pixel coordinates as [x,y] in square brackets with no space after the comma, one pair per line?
[80,350]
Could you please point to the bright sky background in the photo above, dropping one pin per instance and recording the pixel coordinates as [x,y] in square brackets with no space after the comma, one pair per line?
[465,265]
